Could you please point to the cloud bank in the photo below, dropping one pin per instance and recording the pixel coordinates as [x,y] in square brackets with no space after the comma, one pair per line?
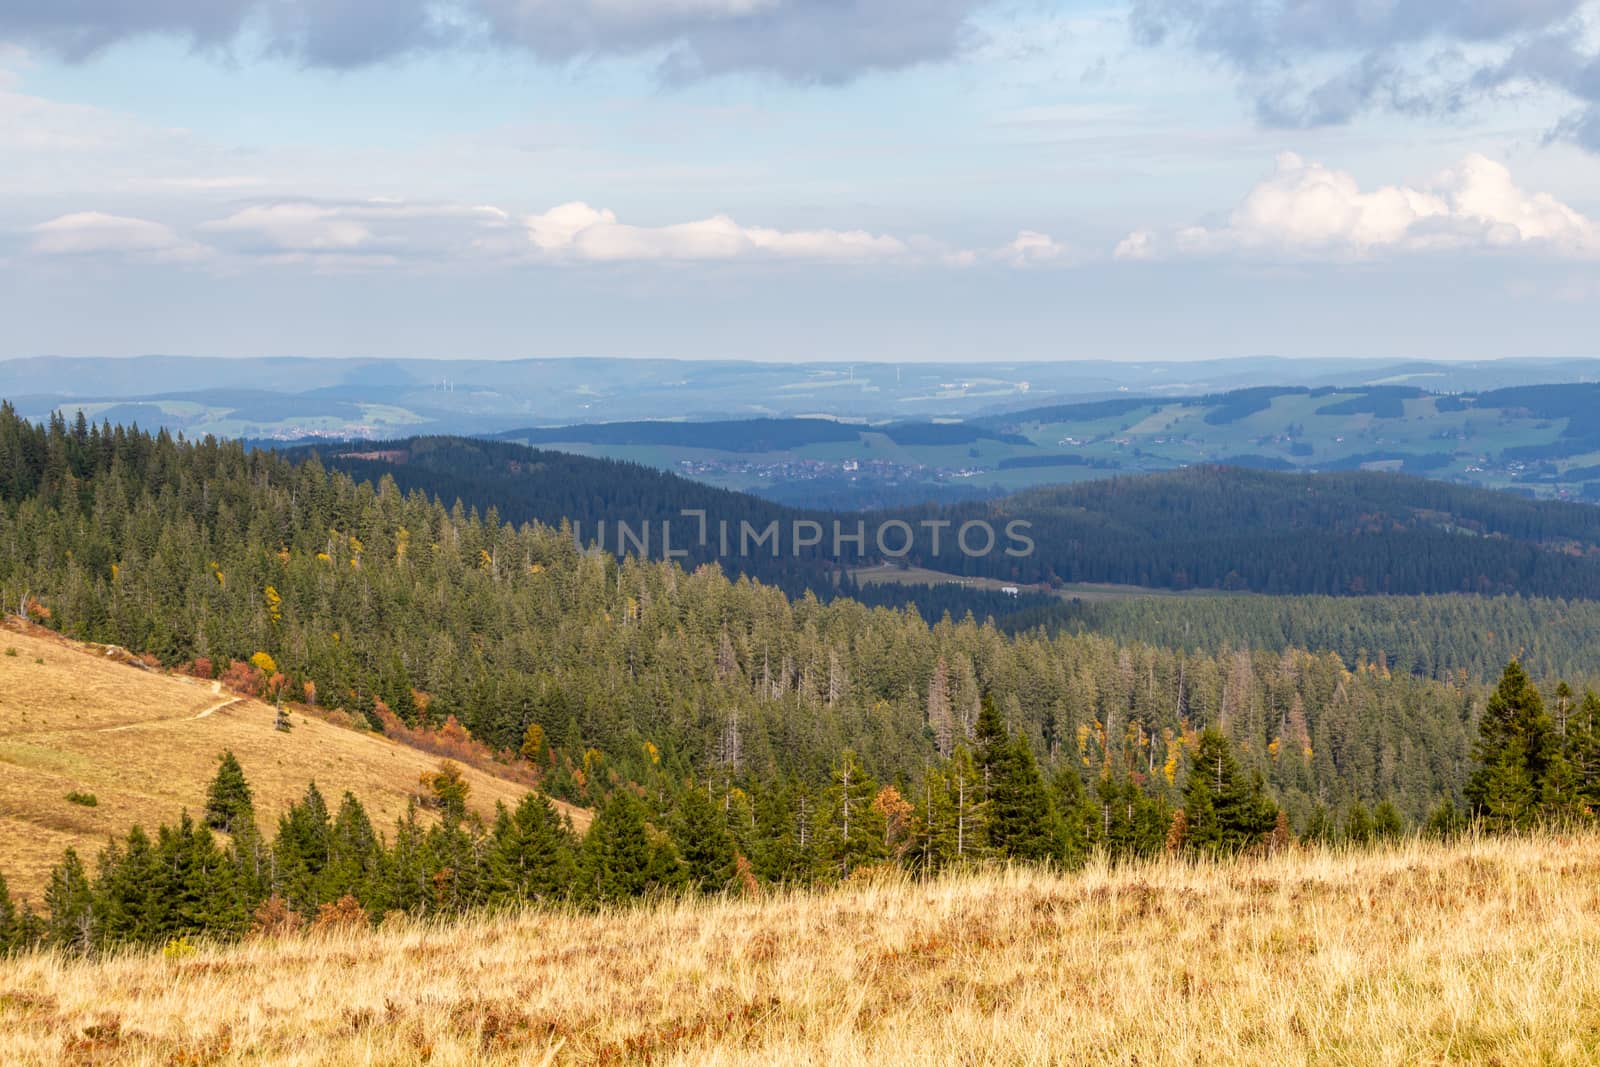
[801,40]
[1305,210]
[383,233]
[1305,63]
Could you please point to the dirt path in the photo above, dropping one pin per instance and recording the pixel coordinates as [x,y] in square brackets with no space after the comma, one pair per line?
[216,690]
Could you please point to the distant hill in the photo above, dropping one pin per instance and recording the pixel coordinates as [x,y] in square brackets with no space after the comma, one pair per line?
[286,398]
[1269,532]
[1340,533]
[1536,440]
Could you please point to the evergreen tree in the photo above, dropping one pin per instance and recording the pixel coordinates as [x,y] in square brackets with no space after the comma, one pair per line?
[131,892]
[618,861]
[1445,821]
[1320,828]
[1020,819]
[1583,750]
[12,926]
[69,904]
[1076,816]
[701,834]
[228,800]
[302,850]
[1225,811]
[852,831]
[1387,822]
[531,853]
[1513,754]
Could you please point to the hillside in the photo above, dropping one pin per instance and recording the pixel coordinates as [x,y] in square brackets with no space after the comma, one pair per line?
[145,745]
[648,673]
[1340,533]
[286,399]
[1346,533]
[1536,440]
[1478,952]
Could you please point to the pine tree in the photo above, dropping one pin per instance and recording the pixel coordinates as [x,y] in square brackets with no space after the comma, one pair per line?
[69,902]
[1516,743]
[617,862]
[228,799]
[1021,820]
[852,829]
[1225,811]
[531,853]
[12,933]
[700,832]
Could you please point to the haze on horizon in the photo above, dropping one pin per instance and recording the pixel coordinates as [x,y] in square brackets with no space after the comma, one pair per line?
[797,179]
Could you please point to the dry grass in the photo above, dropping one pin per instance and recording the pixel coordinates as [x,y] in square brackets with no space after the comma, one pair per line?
[81,721]
[1484,952]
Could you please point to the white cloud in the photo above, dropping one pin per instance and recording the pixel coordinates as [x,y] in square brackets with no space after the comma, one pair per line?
[95,233]
[1306,210]
[394,234]
[579,231]
[378,227]
[296,227]
[1031,248]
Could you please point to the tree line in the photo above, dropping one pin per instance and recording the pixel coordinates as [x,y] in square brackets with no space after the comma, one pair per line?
[988,801]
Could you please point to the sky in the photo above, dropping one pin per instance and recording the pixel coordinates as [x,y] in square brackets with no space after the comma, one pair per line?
[800,179]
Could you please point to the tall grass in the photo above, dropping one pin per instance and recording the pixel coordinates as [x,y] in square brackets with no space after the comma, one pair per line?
[1484,951]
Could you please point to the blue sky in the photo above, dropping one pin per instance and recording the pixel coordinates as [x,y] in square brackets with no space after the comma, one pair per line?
[793,179]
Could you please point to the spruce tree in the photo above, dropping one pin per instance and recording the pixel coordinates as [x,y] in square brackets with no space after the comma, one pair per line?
[228,800]
[1516,743]
[1225,811]
[701,835]
[852,830]
[617,855]
[1076,814]
[69,903]
[133,898]
[11,924]
[531,853]
[1583,750]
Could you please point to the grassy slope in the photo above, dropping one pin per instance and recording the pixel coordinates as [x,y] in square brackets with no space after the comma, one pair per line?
[1482,952]
[80,721]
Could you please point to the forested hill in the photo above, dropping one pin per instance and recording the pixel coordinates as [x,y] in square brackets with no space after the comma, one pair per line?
[1341,534]
[518,484]
[212,557]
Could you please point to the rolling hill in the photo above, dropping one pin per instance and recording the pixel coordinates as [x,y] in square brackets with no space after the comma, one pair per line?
[144,744]
[1341,534]
[1534,440]
[1221,528]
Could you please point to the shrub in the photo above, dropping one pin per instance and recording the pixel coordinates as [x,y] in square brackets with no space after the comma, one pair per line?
[87,800]
[11,652]
[178,948]
[274,918]
[343,914]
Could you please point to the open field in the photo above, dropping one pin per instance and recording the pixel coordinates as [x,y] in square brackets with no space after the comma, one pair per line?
[1484,952]
[884,574]
[145,744]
